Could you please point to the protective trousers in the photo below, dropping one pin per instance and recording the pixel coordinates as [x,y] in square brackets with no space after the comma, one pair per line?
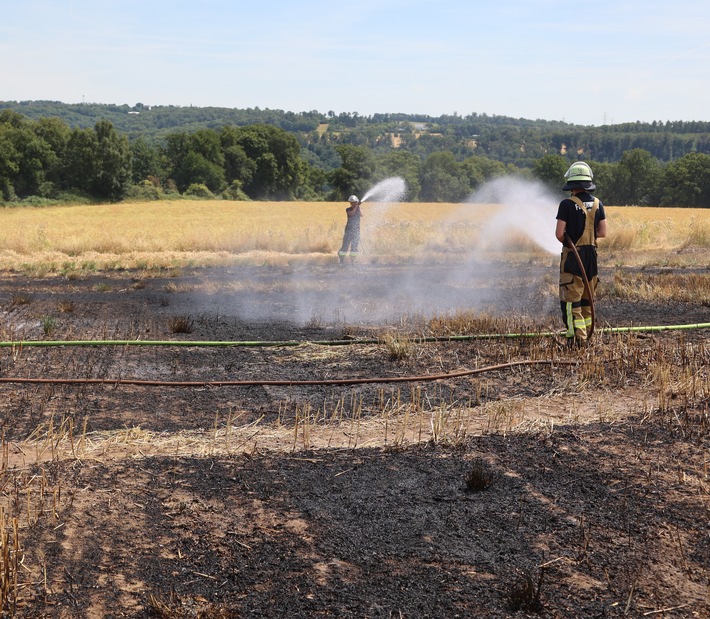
[576,304]
[351,242]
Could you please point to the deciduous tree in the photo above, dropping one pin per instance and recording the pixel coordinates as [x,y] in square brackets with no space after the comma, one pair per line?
[687,181]
[112,169]
[636,179]
[443,179]
[356,172]
[550,170]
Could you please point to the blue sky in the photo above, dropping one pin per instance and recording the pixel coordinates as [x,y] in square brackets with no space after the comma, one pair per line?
[587,62]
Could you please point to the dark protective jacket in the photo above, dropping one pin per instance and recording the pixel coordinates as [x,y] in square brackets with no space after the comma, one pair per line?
[581,214]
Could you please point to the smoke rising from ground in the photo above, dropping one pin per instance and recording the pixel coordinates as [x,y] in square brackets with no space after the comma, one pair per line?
[367,293]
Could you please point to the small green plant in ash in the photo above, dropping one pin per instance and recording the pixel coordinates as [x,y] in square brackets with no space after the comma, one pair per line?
[49,324]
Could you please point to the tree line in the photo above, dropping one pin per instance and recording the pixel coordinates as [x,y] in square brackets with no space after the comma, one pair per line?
[46,159]
[518,141]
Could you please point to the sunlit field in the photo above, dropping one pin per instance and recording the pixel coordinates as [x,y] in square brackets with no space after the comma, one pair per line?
[206,233]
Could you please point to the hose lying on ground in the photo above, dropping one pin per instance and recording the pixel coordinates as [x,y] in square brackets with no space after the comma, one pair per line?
[344,381]
[19,344]
[283,383]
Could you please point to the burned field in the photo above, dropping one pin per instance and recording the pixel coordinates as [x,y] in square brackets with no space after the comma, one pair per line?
[148,481]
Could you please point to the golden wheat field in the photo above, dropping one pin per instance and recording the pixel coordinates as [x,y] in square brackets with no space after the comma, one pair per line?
[208,233]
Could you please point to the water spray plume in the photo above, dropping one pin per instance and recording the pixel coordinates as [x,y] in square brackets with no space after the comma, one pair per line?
[383,195]
[389,190]
[528,208]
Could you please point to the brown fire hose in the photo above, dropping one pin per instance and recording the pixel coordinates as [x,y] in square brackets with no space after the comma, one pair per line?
[587,285]
[284,383]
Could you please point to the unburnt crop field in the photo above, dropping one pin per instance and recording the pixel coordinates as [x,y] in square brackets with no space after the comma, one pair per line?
[205,415]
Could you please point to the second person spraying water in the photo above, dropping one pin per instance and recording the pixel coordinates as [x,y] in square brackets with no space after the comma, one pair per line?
[388,190]
[351,236]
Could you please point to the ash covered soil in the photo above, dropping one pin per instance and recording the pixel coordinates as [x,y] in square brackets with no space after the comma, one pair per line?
[574,486]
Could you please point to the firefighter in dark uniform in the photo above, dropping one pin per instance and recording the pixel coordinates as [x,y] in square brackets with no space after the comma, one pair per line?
[351,237]
[581,220]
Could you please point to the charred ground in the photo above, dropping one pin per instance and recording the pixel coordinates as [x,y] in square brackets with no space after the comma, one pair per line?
[363,500]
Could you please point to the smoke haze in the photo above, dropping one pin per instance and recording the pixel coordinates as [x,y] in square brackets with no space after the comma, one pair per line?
[367,293]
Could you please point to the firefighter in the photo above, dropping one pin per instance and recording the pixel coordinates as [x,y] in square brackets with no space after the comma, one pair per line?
[581,221]
[351,236]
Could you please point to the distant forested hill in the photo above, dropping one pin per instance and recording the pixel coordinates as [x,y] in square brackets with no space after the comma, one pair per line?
[516,141]
[64,152]
[159,121]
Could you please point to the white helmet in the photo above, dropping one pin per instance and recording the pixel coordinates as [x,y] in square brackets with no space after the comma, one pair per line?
[579,171]
[579,176]
[353,199]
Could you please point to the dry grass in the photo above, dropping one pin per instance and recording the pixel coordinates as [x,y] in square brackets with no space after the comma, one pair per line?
[471,323]
[180,324]
[674,286]
[657,228]
[164,234]
[676,386]
[75,239]
[480,476]
[645,236]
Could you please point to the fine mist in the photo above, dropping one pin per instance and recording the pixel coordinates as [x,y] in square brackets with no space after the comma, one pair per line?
[528,207]
[389,190]
[377,294]
[376,202]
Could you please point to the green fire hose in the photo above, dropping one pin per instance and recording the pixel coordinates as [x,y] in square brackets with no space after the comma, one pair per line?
[18,344]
